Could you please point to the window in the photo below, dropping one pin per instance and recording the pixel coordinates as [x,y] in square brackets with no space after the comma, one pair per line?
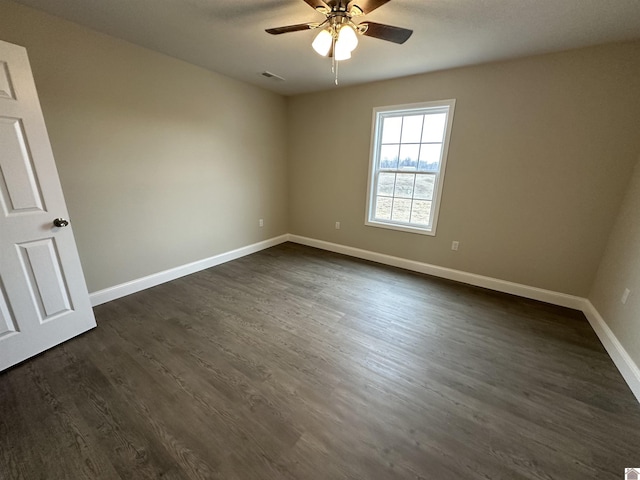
[408,156]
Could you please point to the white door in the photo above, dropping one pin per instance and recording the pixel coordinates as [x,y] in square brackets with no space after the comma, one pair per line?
[43,296]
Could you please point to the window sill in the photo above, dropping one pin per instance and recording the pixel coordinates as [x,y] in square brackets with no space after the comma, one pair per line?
[402,228]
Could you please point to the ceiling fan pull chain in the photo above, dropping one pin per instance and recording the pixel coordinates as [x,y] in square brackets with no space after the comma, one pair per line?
[334,64]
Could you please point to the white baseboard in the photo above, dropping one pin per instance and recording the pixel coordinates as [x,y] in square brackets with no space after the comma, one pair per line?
[127,288]
[627,367]
[504,286]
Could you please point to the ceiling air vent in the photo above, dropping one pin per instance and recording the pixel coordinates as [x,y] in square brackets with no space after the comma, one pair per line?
[271,75]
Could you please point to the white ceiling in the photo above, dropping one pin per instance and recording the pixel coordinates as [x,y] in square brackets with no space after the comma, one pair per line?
[227,36]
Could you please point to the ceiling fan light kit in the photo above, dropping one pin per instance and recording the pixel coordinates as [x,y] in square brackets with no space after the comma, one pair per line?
[338,36]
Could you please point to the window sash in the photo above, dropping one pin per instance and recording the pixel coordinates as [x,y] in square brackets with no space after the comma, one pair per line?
[375,195]
[379,117]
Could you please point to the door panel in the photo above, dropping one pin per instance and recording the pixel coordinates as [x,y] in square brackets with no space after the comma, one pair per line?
[7,325]
[20,190]
[43,295]
[41,266]
[6,90]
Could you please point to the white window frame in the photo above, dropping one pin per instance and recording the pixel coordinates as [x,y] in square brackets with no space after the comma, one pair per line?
[379,113]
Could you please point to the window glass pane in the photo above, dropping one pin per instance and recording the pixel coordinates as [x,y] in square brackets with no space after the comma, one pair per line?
[383,208]
[433,130]
[401,210]
[411,129]
[404,185]
[391,127]
[389,156]
[430,157]
[409,157]
[424,187]
[386,182]
[421,212]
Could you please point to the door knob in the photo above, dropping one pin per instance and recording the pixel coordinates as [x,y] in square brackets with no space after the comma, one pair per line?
[60,222]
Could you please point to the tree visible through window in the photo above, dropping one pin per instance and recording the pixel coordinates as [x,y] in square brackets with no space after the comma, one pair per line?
[408,156]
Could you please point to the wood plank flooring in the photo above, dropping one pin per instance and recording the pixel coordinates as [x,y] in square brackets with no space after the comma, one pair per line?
[294,363]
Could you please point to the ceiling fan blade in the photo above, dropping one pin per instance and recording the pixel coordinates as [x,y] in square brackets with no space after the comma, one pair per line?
[386,32]
[291,28]
[367,5]
[316,4]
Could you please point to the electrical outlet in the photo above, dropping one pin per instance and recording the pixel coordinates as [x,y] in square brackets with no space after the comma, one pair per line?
[337,225]
[454,245]
[261,222]
[625,295]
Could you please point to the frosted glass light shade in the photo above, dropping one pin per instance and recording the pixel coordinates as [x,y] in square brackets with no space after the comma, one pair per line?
[322,42]
[347,38]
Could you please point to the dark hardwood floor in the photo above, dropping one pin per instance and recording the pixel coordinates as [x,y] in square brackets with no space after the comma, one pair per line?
[294,363]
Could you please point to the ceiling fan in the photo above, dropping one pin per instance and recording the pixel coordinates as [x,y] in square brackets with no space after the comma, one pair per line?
[338,36]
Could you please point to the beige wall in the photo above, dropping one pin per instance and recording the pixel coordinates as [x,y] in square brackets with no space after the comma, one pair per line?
[541,151]
[620,269]
[162,163]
